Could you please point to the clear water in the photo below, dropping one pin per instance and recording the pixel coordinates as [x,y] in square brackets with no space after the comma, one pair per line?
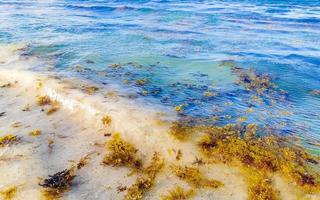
[179,46]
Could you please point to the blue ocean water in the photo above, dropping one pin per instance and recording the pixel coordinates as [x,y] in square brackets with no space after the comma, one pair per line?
[183,50]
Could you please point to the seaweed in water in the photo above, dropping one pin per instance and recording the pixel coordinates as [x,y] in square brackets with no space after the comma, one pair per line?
[194,177]
[178,193]
[8,140]
[255,82]
[122,153]
[43,100]
[57,184]
[146,180]
[180,131]
[55,106]
[90,89]
[36,132]
[268,153]
[106,120]
[60,182]
[260,187]
[8,193]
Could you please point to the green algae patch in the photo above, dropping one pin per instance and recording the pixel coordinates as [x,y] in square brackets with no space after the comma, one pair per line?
[8,140]
[269,154]
[8,193]
[121,153]
[194,177]
[178,193]
[146,179]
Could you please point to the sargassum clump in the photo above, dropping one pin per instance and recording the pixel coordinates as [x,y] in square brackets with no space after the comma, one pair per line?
[8,193]
[178,193]
[194,177]
[8,140]
[146,180]
[121,153]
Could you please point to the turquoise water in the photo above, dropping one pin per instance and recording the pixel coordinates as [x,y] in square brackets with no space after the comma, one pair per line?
[179,48]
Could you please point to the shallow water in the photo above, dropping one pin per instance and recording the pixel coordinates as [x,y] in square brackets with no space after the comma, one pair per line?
[178,47]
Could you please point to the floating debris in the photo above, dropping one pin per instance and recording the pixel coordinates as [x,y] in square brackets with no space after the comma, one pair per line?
[122,153]
[2,114]
[194,177]
[145,181]
[178,193]
[8,193]
[209,94]
[141,81]
[115,65]
[8,140]
[179,108]
[36,132]
[43,100]
[106,120]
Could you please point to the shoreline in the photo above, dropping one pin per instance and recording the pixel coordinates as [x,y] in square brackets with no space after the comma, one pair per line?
[76,129]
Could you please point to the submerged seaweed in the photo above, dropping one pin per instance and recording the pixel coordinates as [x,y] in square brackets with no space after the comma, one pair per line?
[146,180]
[106,120]
[8,140]
[122,153]
[178,193]
[8,193]
[194,177]
[265,153]
[43,100]
[59,183]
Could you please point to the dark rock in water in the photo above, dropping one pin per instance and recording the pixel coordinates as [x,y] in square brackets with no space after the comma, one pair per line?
[2,114]
[89,61]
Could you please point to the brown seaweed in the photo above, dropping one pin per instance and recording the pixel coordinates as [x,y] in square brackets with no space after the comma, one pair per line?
[8,140]
[194,177]
[146,180]
[265,153]
[121,153]
[8,193]
[178,193]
